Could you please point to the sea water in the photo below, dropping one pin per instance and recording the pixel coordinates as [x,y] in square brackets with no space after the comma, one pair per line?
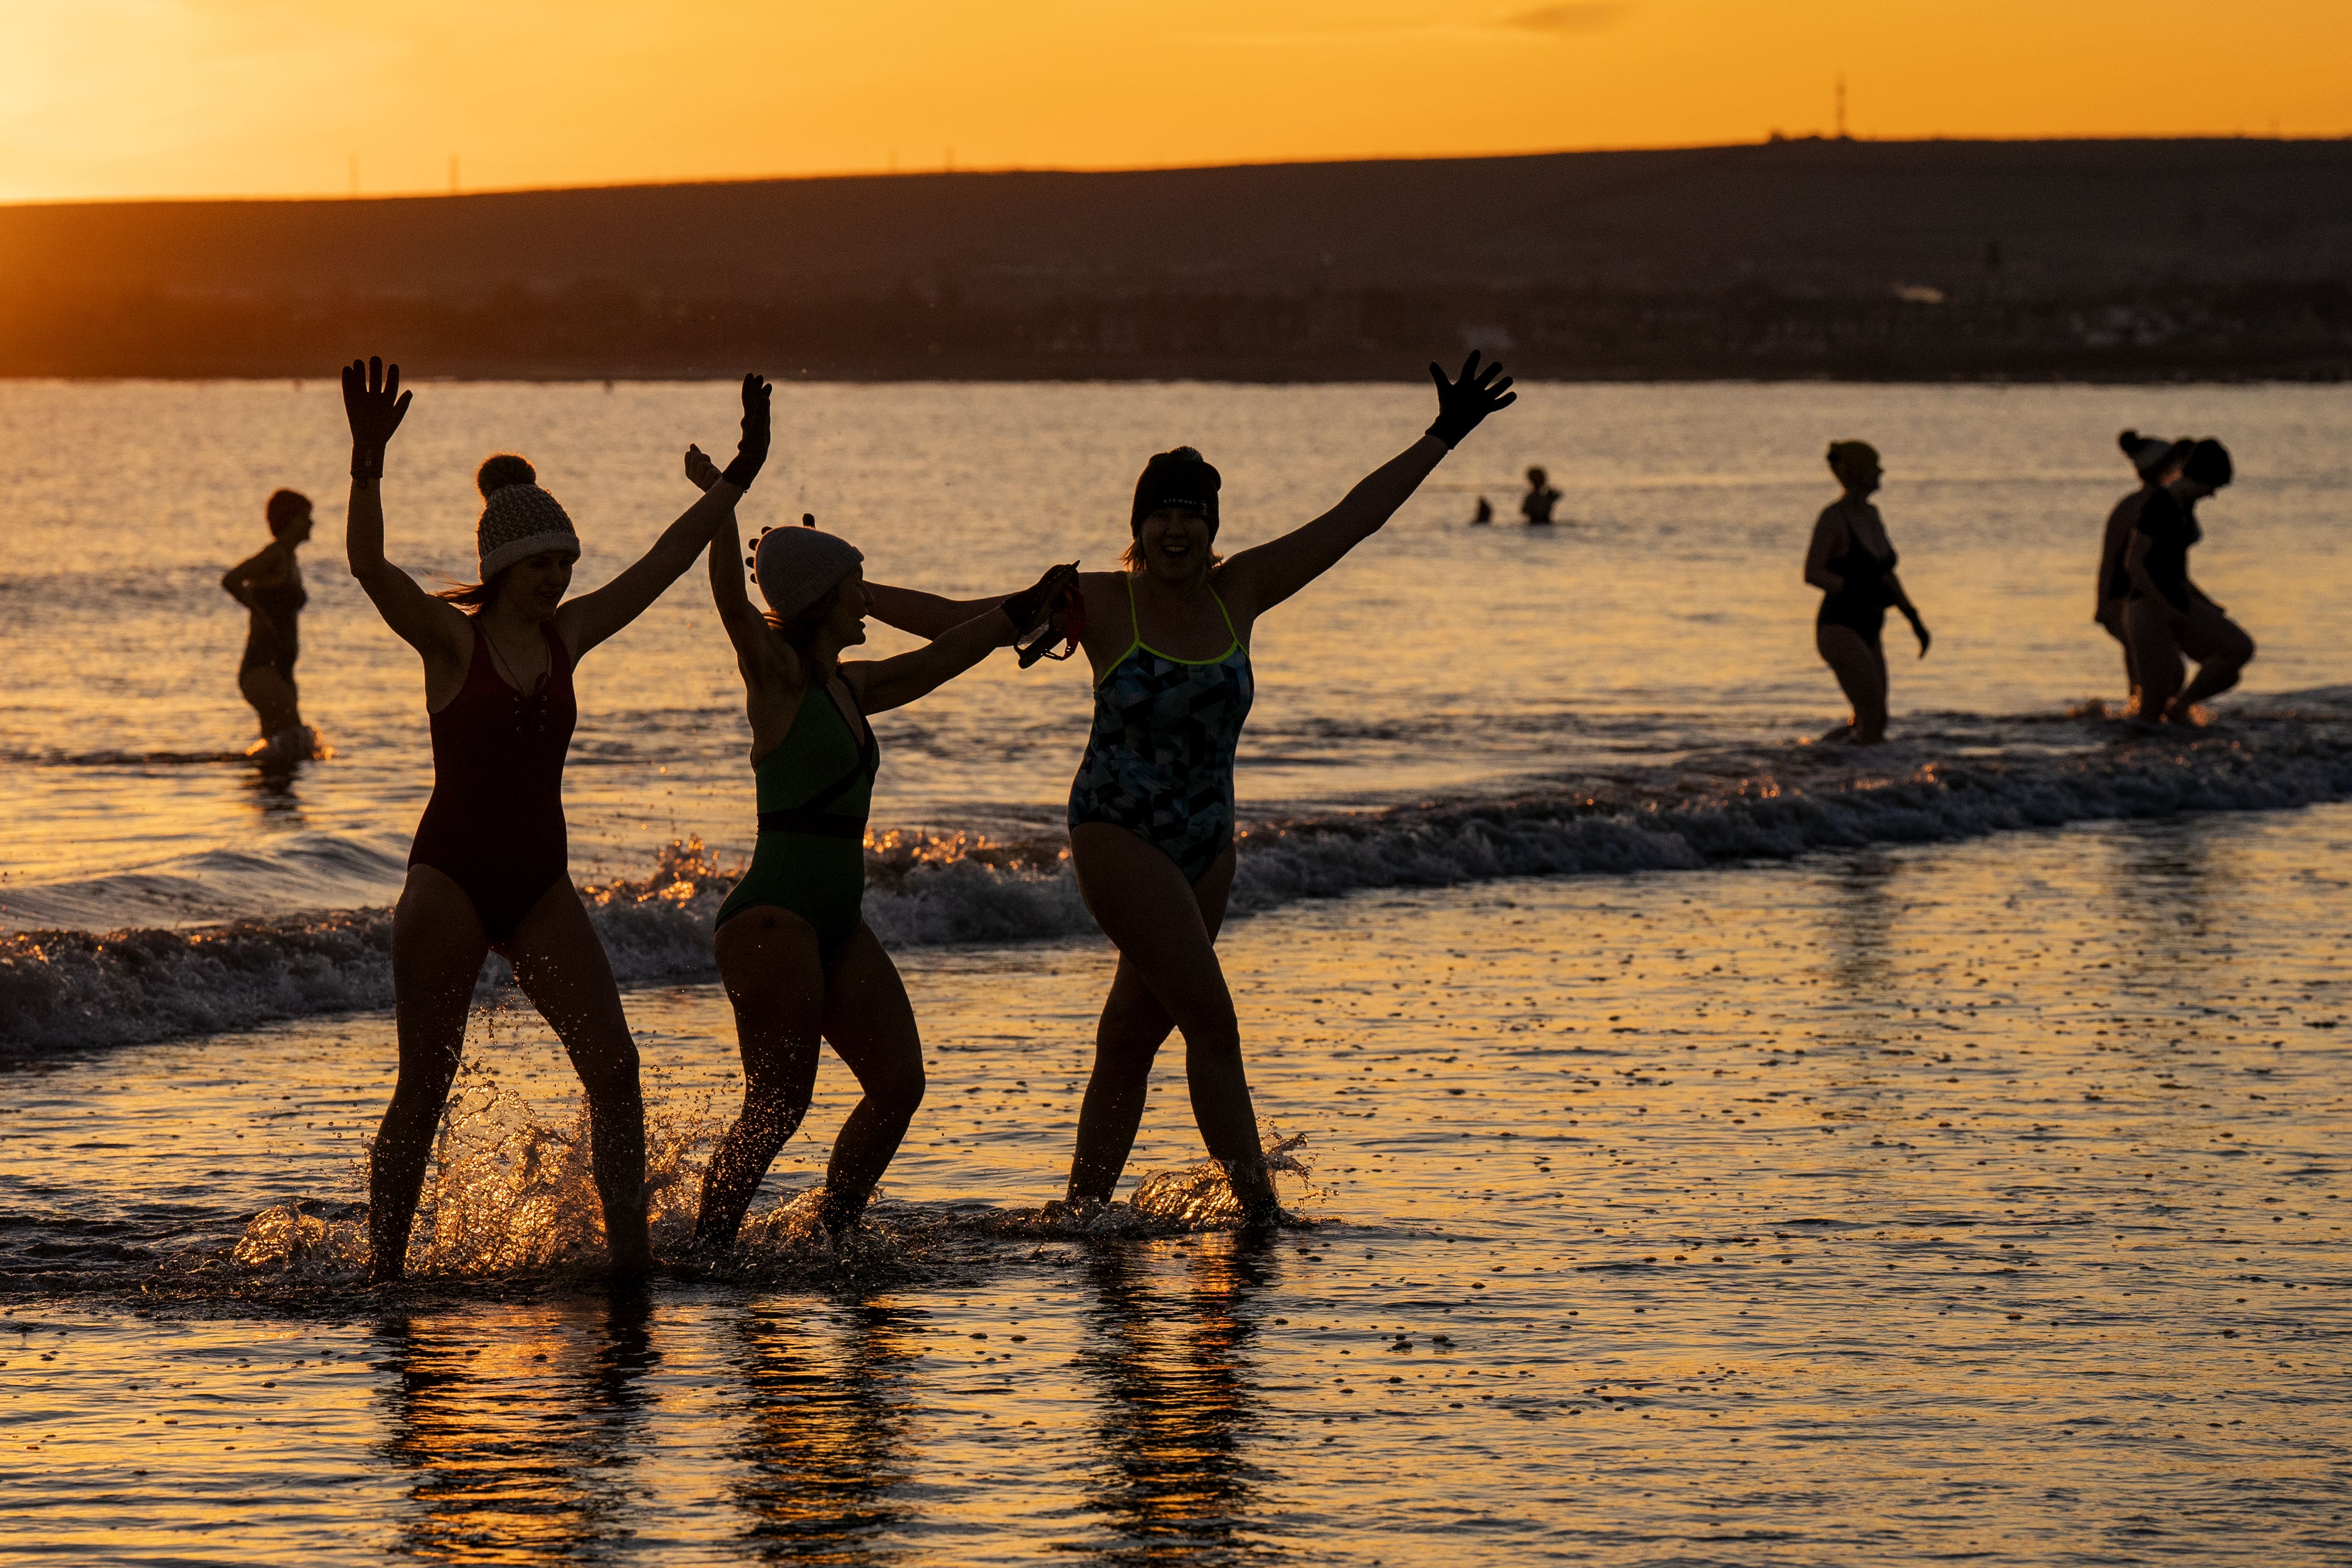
[1718,1148]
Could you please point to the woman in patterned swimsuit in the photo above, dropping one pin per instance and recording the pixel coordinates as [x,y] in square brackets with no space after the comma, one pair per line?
[1151,809]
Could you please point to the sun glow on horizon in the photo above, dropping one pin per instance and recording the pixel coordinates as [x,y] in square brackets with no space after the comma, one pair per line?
[113,98]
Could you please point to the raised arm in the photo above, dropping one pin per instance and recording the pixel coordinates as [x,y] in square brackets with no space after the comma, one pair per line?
[758,655]
[593,617]
[884,683]
[374,405]
[1267,574]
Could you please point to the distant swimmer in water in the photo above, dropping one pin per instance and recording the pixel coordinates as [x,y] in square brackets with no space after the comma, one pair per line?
[269,583]
[1537,503]
[2168,615]
[1851,561]
[1485,514]
[2157,462]
[488,872]
[1151,809]
[799,962]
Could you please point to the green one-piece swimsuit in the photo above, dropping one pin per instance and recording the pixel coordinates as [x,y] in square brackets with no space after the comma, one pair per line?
[817,788]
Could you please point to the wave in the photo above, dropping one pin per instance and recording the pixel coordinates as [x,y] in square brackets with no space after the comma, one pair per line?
[1958,776]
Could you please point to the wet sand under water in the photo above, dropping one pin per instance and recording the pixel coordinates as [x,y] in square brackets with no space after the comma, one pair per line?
[1974,1200]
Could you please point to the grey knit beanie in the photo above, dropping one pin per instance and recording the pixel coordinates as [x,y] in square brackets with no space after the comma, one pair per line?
[796,567]
[518,519]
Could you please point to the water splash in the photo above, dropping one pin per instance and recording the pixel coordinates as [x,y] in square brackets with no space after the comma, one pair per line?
[1200,1196]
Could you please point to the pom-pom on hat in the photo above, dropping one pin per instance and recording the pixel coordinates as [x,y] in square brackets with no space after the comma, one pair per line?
[1179,478]
[796,567]
[519,519]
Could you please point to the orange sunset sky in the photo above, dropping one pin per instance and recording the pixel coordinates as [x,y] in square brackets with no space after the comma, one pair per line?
[137,98]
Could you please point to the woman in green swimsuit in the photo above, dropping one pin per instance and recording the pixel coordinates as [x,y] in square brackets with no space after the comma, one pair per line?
[799,962]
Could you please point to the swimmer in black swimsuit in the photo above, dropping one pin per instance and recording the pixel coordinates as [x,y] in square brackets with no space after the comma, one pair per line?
[1852,563]
[2168,615]
[269,585]
[487,872]
[2157,462]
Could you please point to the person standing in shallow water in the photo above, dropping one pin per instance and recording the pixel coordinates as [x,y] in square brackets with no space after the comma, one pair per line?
[2168,615]
[269,583]
[799,962]
[2158,462]
[1541,498]
[1151,809]
[488,872]
[1851,561]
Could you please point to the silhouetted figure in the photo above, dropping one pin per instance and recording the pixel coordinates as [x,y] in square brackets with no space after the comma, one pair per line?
[488,871]
[1537,503]
[2158,462]
[800,964]
[2168,615]
[269,583]
[1851,561]
[1485,514]
[1151,809]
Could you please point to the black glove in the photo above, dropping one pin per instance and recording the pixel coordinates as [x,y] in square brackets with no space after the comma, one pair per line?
[374,405]
[1028,609]
[1461,404]
[752,452]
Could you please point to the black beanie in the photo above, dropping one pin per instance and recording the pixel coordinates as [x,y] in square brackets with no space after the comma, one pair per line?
[1179,478]
[2208,463]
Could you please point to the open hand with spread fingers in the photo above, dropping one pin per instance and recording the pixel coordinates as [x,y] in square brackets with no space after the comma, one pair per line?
[1462,404]
[374,405]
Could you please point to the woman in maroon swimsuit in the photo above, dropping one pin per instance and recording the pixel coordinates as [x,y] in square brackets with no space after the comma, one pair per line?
[487,872]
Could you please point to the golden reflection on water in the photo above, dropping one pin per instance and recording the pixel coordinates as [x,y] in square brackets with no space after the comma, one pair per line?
[502,1477]
[819,1421]
[1171,1365]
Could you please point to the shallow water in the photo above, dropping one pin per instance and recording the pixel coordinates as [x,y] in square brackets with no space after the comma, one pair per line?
[1980,1199]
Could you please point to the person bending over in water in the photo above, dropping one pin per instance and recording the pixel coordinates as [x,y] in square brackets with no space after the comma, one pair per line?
[269,583]
[2168,615]
[488,872]
[1537,503]
[1151,810]
[2157,462]
[1851,563]
[799,962]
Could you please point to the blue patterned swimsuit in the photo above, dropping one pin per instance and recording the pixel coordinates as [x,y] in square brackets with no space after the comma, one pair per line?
[1159,762]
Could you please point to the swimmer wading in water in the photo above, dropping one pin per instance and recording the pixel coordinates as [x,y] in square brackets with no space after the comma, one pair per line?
[800,964]
[487,872]
[1151,809]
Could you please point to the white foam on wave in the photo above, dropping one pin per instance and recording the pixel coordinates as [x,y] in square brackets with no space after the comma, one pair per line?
[1960,776]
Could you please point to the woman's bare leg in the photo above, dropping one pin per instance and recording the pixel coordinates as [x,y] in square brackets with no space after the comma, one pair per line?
[768,961]
[561,964]
[2221,649]
[1165,930]
[870,1022]
[1861,672]
[2155,654]
[437,946]
[273,698]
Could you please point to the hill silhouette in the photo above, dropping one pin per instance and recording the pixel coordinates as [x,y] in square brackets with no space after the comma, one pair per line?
[1802,256]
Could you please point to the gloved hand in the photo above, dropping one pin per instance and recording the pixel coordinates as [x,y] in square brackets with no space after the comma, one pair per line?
[1028,609]
[1460,404]
[374,405]
[752,452]
[1919,628]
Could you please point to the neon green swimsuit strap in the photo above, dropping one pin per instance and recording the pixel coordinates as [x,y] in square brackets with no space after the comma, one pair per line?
[1137,644]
